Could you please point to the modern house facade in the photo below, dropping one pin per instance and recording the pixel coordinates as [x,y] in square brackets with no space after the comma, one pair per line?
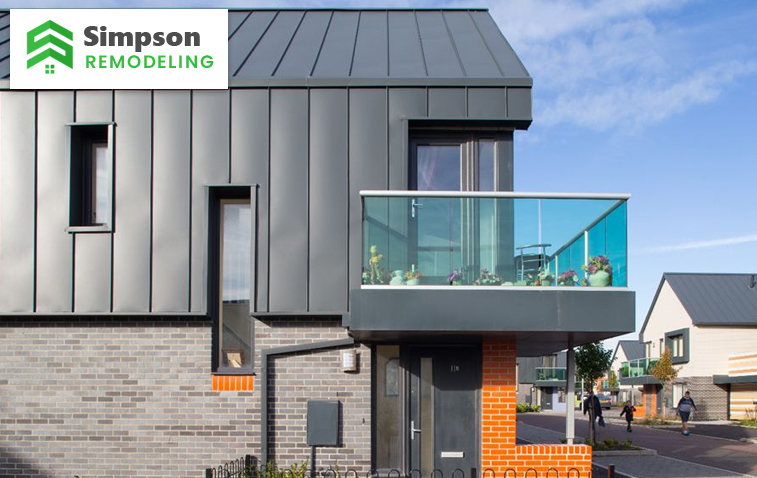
[181,272]
[542,381]
[709,323]
[625,352]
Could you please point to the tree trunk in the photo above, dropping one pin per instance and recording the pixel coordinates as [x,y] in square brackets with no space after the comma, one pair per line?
[664,412]
[592,421]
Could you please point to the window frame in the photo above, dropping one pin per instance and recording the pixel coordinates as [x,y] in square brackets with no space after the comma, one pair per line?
[216,196]
[79,163]
[670,337]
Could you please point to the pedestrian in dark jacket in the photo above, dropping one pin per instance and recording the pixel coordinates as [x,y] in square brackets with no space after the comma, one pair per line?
[684,409]
[597,409]
[628,412]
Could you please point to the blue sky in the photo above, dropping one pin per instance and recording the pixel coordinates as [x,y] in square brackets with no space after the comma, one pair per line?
[656,98]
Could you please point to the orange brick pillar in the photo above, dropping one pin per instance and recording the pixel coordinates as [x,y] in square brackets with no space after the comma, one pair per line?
[499,453]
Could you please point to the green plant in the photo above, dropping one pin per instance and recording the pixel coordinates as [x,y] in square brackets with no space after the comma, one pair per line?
[526,408]
[608,444]
[592,360]
[665,372]
[487,278]
[272,470]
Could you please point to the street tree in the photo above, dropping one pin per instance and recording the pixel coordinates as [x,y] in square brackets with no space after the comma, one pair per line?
[592,362]
[665,372]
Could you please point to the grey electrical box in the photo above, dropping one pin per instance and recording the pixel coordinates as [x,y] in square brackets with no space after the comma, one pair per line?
[323,423]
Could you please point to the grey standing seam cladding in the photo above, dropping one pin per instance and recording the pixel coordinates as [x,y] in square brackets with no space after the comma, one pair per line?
[403,103]
[367,161]
[54,270]
[249,165]
[405,50]
[272,46]
[487,102]
[335,58]
[289,201]
[370,59]
[246,37]
[303,50]
[18,201]
[328,200]
[446,102]
[170,248]
[210,165]
[92,258]
[131,243]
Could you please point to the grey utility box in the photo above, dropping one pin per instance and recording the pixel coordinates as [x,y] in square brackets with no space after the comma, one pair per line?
[323,422]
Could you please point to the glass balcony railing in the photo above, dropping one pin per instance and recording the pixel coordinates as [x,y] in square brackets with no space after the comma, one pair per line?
[550,373]
[493,239]
[637,368]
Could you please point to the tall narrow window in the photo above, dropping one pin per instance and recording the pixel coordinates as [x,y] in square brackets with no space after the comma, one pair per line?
[235,324]
[388,406]
[91,176]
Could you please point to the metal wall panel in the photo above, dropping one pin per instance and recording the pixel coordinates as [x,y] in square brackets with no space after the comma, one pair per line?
[93,251]
[519,103]
[54,243]
[403,103]
[368,163]
[300,57]
[505,163]
[328,200]
[370,59]
[289,201]
[210,166]
[249,165]
[484,103]
[446,102]
[131,239]
[171,162]
[405,50]
[17,110]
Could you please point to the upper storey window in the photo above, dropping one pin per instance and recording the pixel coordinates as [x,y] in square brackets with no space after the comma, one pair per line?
[465,163]
[90,194]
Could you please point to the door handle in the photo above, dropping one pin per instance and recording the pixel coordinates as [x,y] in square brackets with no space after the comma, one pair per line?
[413,430]
[414,204]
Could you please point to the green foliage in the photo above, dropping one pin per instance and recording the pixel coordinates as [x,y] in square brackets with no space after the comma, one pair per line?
[613,381]
[608,444]
[665,372]
[272,470]
[592,361]
[526,408]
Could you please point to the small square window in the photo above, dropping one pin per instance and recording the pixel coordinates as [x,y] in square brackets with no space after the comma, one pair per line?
[91,183]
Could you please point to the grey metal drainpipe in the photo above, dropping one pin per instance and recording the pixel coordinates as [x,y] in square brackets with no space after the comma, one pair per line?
[290,349]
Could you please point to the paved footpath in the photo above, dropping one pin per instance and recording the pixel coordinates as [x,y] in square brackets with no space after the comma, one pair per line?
[678,456]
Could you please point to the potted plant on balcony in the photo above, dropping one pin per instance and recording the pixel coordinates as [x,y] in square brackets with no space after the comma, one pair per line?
[599,271]
[455,277]
[568,278]
[488,278]
[543,278]
[373,261]
[413,277]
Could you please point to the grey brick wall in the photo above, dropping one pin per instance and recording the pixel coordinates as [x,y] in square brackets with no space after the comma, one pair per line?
[711,400]
[113,397]
[294,379]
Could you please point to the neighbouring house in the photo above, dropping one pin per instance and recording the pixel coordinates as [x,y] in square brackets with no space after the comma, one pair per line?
[625,351]
[542,381]
[709,324]
[184,275]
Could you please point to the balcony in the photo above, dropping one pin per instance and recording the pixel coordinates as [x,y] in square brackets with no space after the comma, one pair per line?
[482,262]
[488,240]
[550,374]
[637,372]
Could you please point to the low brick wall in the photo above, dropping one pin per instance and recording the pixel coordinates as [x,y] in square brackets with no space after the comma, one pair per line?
[499,452]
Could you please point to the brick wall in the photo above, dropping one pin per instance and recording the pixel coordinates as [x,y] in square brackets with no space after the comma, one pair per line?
[498,450]
[294,379]
[711,399]
[115,397]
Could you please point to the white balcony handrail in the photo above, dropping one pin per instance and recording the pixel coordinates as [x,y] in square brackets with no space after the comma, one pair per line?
[495,194]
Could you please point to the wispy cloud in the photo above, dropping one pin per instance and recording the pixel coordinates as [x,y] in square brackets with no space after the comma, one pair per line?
[685,246]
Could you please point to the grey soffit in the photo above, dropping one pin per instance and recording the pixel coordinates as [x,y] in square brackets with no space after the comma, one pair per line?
[5,45]
[633,349]
[643,380]
[726,379]
[716,299]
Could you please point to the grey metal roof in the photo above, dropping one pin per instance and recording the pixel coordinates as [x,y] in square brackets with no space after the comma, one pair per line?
[716,299]
[370,44]
[712,299]
[5,45]
[633,349]
[359,46]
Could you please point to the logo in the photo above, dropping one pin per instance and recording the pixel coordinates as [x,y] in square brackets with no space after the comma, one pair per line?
[49,42]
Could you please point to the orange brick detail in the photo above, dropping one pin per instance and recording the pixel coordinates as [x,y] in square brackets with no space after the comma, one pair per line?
[499,453]
[232,383]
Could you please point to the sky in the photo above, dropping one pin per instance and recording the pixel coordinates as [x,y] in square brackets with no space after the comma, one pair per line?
[656,98]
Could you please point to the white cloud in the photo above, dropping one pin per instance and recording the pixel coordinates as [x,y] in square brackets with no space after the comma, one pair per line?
[686,246]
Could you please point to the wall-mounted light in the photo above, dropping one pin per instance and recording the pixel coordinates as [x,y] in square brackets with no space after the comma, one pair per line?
[349,361]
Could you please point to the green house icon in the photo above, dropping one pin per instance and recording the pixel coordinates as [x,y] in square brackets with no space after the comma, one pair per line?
[43,47]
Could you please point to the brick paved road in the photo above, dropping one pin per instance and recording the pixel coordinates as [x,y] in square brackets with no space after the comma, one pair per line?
[727,455]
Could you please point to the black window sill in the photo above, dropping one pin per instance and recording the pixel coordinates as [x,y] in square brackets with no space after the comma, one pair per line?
[234,371]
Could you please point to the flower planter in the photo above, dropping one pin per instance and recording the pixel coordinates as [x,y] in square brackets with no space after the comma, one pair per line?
[600,279]
[413,281]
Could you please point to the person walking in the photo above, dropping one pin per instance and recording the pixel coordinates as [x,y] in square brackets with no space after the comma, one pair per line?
[628,412]
[593,399]
[684,409]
